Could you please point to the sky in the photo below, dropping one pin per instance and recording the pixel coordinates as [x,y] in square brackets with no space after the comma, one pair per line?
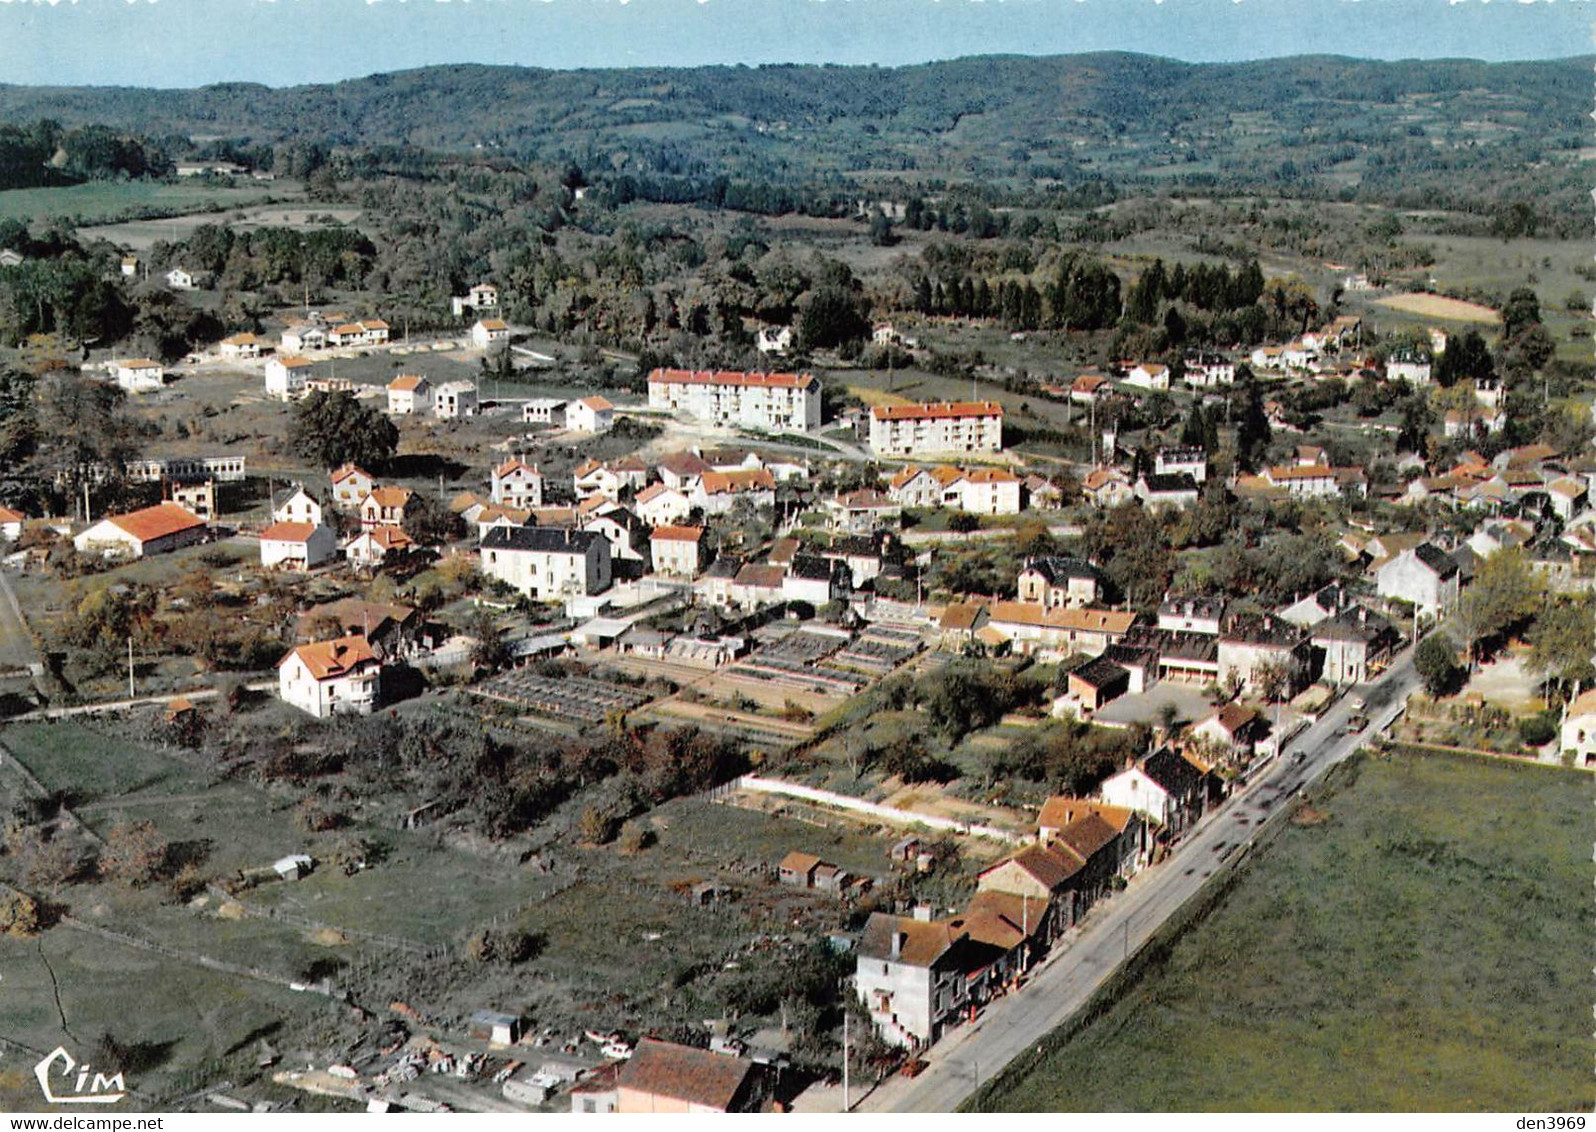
[182,43]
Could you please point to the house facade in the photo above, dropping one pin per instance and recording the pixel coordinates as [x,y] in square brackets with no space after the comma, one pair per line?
[337,677]
[936,429]
[769,402]
[546,563]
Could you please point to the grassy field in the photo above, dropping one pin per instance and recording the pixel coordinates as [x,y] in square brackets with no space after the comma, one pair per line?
[1437,306]
[1424,948]
[105,201]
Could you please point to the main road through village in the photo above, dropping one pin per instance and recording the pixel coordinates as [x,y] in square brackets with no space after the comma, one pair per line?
[1081,961]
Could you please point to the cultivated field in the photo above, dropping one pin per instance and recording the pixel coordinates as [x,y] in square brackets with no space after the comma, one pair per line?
[1423,947]
[102,202]
[1436,306]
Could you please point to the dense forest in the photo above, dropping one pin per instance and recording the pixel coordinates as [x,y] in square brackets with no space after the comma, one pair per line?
[1412,134]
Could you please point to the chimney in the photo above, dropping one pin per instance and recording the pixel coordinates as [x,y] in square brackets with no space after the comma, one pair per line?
[897,944]
[922,912]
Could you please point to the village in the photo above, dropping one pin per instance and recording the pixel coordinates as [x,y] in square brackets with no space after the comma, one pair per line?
[888,636]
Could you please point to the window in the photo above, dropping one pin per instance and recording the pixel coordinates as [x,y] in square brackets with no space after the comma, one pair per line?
[589,1105]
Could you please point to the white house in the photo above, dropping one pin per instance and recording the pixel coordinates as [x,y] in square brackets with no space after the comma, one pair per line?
[1579,728]
[240,346]
[350,484]
[179,280]
[337,677]
[152,530]
[139,375]
[546,563]
[286,376]
[1424,576]
[517,483]
[482,297]
[454,399]
[1163,787]
[1148,375]
[408,394]
[719,492]
[296,546]
[1208,371]
[1411,366]
[985,491]
[676,550]
[298,338]
[943,428]
[370,548]
[660,506]
[489,332]
[773,339]
[297,506]
[542,410]
[590,414]
[384,507]
[11,523]
[366,332]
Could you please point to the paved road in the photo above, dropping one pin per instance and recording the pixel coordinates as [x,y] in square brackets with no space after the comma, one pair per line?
[1085,957]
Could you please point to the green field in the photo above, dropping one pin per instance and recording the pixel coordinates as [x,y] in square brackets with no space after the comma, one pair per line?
[1425,948]
[101,202]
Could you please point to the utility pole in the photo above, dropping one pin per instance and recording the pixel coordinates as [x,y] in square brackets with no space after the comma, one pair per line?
[845,1105]
[130,692]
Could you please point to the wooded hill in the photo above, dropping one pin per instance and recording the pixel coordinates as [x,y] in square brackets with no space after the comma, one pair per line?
[1311,125]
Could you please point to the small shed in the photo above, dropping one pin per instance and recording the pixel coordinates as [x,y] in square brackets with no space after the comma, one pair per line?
[293,866]
[798,869]
[831,878]
[494,1027]
[905,849]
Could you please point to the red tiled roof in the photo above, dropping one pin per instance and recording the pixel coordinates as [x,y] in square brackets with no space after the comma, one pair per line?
[156,522]
[329,659]
[288,532]
[678,534]
[732,377]
[936,410]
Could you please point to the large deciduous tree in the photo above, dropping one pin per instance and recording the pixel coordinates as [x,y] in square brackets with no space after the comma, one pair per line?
[334,429]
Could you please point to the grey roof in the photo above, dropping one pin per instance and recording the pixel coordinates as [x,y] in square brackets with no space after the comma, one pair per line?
[1436,559]
[548,540]
[1057,568]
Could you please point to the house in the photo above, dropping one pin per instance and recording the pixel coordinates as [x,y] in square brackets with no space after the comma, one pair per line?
[490,332]
[409,394]
[1030,626]
[542,410]
[454,399]
[1353,646]
[910,976]
[936,428]
[1568,497]
[1410,365]
[683,471]
[517,483]
[627,535]
[1061,811]
[1106,488]
[1164,787]
[666,1077]
[1208,371]
[591,479]
[1090,685]
[1090,389]
[659,506]
[590,414]
[130,266]
[295,866]
[483,296]
[151,530]
[767,402]
[546,563]
[1579,728]
[1161,493]
[985,491]
[960,623]
[394,631]
[1304,481]
[240,346]
[297,339]
[370,548]
[384,507]
[596,1092]
[1054,581]
[139,375]
[815,580]
[757,585]
[337,677]
[1257,647]
[1148,375]
[1425,577]
[773,339]
[1191,462]
[11,524]
[286,376]
[677,551]
[350,485]
[719,492]
[1191,613]
[1233,730]
[180,280]
[296,546]
[366,332]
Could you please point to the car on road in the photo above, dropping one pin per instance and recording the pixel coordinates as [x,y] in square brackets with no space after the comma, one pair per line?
[914,1067]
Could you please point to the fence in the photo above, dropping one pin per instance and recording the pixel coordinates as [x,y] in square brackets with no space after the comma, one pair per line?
[756,784]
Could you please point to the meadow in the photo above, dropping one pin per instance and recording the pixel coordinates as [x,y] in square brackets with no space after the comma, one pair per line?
[1421,944]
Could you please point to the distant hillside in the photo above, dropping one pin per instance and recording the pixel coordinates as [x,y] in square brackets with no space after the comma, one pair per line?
[1328,120]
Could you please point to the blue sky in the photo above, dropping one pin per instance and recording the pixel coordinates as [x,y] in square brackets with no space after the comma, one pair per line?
[284,42]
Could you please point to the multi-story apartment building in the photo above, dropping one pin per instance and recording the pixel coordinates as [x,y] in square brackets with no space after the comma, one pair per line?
[771,402]
[945,428]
